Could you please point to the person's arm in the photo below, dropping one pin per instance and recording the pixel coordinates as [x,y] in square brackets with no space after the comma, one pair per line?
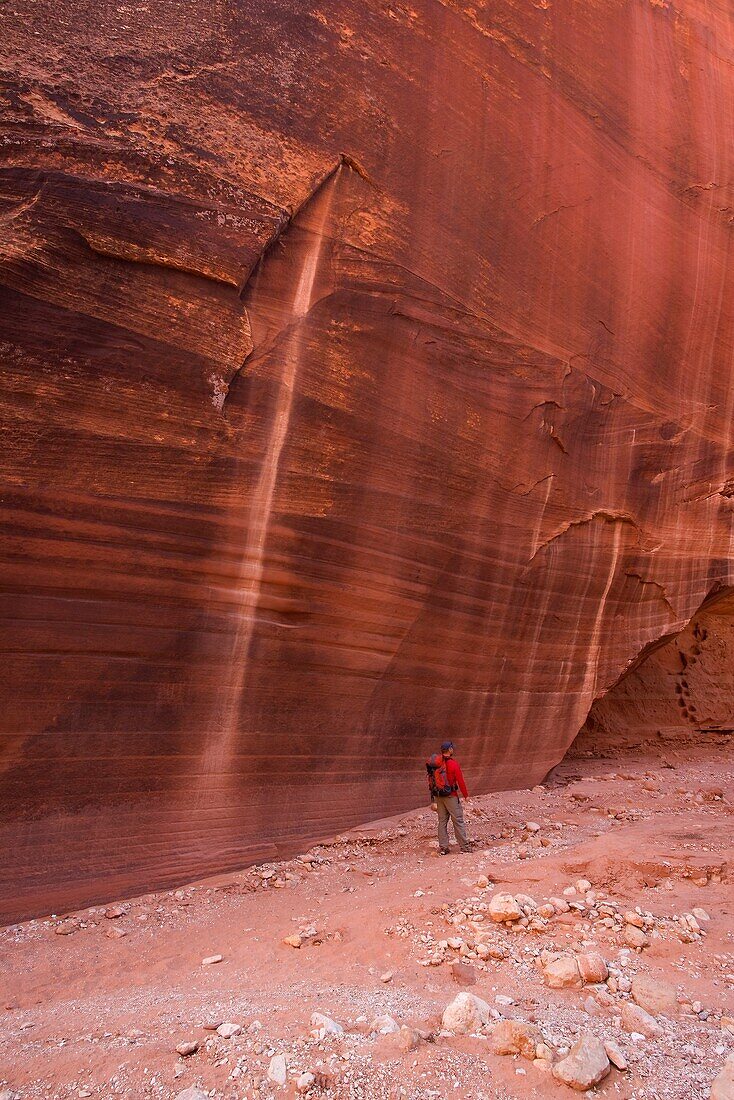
[460,780]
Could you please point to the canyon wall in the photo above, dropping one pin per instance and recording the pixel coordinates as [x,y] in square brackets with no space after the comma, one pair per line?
[366,379]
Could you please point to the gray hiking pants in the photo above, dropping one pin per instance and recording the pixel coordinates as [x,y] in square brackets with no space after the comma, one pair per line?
[450,807]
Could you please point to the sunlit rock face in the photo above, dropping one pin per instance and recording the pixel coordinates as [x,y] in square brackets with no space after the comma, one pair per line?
[366,379]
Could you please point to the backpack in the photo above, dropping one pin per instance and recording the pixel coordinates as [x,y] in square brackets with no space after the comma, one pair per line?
[438,779]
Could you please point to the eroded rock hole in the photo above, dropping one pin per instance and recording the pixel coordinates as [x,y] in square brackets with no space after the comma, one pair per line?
[653,702]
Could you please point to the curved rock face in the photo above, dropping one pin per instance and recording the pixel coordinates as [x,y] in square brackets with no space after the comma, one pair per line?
[681,690]
[366,379]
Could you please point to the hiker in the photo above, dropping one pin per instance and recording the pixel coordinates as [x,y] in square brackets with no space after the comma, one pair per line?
[445,780]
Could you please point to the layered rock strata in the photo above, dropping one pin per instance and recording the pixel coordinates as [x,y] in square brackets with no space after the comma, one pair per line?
[366,379]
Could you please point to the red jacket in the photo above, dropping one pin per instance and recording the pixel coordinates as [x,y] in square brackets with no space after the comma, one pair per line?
[455,777]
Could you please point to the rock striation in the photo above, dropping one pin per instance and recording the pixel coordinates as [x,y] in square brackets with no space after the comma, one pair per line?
[366,377]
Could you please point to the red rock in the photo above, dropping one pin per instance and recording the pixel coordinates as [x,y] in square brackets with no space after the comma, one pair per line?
[592,967]
[562,972]
[722,1087]
[462,973]
[637,1019]
[586,1064]
[654,996]
[515,1037]
[421,458]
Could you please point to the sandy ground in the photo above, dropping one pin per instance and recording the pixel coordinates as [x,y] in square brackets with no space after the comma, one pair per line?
[99,1010]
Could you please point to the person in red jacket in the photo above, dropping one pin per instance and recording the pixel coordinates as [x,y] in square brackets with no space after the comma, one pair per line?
[449,806]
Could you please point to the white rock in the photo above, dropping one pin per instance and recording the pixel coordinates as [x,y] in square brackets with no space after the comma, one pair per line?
[385,1025]
[467,1013]
[227,1031]
[278,1070]
[211,959]
[305,1081]
[503,907]
[191,1093]
[325,1024]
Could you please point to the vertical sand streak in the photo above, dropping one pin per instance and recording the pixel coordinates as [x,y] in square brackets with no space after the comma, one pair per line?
[222,750]
[595,641]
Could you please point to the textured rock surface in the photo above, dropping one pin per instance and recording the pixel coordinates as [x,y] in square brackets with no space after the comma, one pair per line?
[448,460]
[682,688]
[586,1064]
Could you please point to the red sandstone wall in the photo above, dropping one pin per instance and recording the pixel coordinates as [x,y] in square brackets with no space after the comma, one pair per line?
[445,463]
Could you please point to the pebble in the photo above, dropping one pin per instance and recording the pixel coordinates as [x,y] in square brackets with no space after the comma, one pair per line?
[210,960]
[386,977]
[305,1081]
[292,941]
[192,1093]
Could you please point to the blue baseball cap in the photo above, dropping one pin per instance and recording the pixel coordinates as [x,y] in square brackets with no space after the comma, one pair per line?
[446,745]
